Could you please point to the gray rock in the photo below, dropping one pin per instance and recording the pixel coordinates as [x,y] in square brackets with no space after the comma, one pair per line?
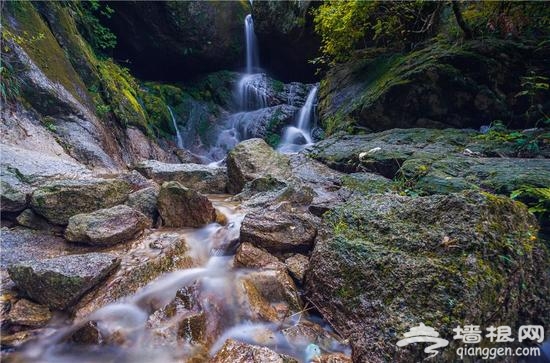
[203,178]
[179,206]
[59,282]
[252,159]
[297,266]
[13,192]
[279,231]
[29,219]
[145,201]
[57,201]
[106,227]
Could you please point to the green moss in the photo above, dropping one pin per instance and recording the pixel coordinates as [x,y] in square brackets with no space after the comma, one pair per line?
[45,52]
[122,90]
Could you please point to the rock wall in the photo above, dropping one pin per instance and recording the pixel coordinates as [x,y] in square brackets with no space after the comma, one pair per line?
[439,86]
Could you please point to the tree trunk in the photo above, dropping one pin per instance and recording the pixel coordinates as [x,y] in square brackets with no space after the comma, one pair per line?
[468,34]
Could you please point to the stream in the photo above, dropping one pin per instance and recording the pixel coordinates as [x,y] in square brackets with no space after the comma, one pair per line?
[157,323]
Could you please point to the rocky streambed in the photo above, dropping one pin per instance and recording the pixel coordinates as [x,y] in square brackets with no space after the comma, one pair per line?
[327,255]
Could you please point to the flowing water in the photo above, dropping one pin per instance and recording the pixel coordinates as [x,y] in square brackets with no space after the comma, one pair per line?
[295,138]
[157,323]
[179,139]
[252,57]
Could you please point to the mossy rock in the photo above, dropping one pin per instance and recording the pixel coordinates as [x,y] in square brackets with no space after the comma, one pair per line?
[384,264]
[440,85]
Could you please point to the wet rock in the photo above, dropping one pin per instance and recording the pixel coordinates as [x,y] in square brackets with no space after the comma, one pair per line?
[333,358]
[263,122]
[59,282]
[142,261]
[271,295]
[279,232]
[252,257]
[252,159]
[297,266]
[305,332]
[29,219]
[27,313]
[182,207]
[237,352]
[106,227]
[200,177]
[381,263]
[57,201]
[145,201]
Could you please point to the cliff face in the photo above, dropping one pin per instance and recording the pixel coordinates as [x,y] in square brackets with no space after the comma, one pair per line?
[62,100]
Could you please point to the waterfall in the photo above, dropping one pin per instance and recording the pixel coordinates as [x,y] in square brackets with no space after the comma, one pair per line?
[297,137]
[179,139]
[252,61]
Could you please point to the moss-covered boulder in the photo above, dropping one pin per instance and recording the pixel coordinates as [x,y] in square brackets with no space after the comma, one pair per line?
[384,264]
[59,200]
[252,159]
[59,282]
[438,86]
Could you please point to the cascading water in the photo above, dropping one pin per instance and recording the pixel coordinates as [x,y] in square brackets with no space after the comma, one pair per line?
[179,139]
[137,328]
[295,138]
[252,57]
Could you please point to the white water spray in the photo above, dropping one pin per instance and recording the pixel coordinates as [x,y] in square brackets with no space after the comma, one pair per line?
[297,137]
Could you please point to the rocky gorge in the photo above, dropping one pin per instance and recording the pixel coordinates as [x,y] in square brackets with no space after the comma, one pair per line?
[184,195]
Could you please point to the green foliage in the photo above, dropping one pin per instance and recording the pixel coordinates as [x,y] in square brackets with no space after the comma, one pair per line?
[88,18]
[49,123]
[347,25]
[535,87]
[507,18]
[537,199]
[526,142]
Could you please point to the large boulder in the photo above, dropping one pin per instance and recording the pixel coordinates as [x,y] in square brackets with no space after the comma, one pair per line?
[252,159]
[106,227]
[437,86]
[202,178]
[279,231]
[59,200]
[183,207]
[383,264]
[59,282]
